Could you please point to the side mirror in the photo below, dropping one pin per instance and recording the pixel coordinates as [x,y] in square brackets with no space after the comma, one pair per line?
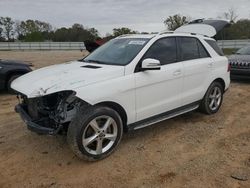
[150,64]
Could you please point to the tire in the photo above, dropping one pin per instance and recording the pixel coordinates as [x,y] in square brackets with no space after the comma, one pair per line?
[213,99]
[87,132]
[11,79]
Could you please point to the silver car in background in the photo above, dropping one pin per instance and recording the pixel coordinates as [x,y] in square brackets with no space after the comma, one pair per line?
[240,63]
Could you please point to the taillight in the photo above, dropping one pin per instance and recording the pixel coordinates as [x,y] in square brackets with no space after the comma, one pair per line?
[229,67]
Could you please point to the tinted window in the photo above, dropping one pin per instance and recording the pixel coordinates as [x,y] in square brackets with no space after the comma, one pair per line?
[164,50]
[202,51]
[216,48]
[189,48]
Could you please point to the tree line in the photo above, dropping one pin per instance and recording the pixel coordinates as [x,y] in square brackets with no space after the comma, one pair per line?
[39,31]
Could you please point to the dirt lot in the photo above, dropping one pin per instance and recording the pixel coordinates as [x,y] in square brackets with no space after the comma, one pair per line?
[193,150]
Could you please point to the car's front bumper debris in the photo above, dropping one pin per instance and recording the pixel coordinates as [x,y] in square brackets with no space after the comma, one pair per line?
[33,126]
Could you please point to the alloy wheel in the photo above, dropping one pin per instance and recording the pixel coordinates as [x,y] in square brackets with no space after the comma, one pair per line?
[215,98]
[100,135]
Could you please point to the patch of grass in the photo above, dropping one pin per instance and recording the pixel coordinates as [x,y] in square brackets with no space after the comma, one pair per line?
[229,51]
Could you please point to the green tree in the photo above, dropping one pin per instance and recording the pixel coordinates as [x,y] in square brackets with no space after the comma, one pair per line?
[28,26]
[238,30]
[175,21]
[61,35]
[76,33]
[7,26]
[1,37]
[43,26]
[94,32]
[18,29]
[33,30]
[122,31]
[34,36]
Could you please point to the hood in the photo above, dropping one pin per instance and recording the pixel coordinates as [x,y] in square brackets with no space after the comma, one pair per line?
[67,76]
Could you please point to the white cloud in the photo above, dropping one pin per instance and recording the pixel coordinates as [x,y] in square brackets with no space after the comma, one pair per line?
[142,15]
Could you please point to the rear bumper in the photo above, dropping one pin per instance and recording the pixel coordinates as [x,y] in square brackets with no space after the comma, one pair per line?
[32,126]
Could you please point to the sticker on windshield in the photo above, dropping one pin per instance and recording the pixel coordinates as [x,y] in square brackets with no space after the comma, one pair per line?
[137,42]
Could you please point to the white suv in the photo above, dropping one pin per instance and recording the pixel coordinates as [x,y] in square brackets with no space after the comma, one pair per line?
[129,83]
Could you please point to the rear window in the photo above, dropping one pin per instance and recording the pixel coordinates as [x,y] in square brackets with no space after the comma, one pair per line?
[216,48]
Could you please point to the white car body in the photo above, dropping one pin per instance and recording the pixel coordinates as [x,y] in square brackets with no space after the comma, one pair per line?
[141,94]
[129,83]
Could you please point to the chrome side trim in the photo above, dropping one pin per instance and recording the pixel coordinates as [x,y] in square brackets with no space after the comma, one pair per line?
[166,117]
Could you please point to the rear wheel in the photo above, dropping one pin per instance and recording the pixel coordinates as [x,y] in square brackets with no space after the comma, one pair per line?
[95,133]
[212,100]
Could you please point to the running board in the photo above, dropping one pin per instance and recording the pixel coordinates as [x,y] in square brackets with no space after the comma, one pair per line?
[163,116]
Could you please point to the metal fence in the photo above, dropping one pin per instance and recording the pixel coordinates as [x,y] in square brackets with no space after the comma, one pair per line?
[235,44]
[42,46]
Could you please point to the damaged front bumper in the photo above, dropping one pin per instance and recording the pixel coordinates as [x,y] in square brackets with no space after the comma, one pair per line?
[34,126]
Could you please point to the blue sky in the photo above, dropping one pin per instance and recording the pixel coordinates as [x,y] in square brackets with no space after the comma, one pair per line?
[140,15]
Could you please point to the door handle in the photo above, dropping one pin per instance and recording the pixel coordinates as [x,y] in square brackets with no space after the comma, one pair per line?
[177,72]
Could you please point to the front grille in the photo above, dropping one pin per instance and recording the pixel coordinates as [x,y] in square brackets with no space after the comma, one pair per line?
[240,64]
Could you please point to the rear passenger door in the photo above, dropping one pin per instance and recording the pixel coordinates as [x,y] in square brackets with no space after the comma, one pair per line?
[197,67]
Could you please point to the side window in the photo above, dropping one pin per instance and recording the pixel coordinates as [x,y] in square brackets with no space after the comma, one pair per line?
[189,48]
[164,50]
[202,51]
[216,48]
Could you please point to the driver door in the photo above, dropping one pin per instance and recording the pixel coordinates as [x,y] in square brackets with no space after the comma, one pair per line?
[159,91]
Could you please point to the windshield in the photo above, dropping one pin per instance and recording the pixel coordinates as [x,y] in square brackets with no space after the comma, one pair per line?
[244,51]
[119,51]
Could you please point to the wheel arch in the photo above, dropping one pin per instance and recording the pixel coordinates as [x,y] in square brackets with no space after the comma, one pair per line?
[221,81]
[119,109]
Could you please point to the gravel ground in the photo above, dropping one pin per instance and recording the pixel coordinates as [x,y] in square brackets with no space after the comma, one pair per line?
[192,150]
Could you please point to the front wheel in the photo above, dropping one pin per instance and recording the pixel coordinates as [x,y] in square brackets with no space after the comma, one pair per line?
[213,98]
[95,133]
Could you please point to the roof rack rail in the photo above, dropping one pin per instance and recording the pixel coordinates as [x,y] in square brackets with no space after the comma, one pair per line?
[165,32]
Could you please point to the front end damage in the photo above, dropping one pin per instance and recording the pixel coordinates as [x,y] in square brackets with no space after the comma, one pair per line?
[50,114]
